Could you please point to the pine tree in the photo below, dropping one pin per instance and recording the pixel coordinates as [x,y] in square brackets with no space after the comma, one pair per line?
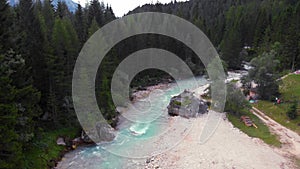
[56,68]
[291,49]
[93,28]
[260,27]
[19,109]
[231,48]
[265,74]
[95,11]
[292,111]
[62,10]
[11,148]
[48,15]
[232,45]
[5,22]
[108,14]
[31,43]
[80,25]
[60,67]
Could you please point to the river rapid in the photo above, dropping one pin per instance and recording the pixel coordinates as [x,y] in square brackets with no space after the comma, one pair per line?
[142,125]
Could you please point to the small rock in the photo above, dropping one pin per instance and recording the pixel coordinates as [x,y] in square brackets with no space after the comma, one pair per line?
[61,141]
[148,160]
[85,138]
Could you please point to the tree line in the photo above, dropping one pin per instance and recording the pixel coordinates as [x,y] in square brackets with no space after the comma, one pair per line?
[232,25]
[264,33]
[38,49]
[39,44]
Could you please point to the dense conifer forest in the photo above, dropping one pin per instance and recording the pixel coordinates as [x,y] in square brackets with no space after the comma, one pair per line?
[39,45]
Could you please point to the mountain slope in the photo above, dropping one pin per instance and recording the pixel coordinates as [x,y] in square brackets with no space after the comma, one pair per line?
[232,25]
[71,5]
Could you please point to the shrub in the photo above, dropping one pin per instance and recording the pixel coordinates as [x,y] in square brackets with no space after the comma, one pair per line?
[292,112]
[236,102]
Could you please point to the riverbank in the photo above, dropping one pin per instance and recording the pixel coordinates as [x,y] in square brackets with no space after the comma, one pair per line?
[144,92]
[46,153]
[144,127]
[227,148]
[63,157]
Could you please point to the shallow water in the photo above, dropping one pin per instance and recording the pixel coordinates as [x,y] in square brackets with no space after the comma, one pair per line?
[142,125]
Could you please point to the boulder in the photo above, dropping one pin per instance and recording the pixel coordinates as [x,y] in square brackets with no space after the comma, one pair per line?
[187,105]
[102,132]
[61,141]
[105,132]
[85,138]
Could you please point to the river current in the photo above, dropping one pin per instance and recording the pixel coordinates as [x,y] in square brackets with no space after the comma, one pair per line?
[143,124]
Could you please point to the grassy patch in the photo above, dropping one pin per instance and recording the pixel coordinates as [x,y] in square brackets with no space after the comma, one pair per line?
[261,132]
[187,102]
[290,90]
[177,103]
[297,162]
[234,81]
[45,148]
[278,113]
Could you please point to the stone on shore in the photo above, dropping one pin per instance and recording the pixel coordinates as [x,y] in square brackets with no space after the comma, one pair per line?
[60,141]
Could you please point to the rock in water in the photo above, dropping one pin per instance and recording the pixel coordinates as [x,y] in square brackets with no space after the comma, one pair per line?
[187,105]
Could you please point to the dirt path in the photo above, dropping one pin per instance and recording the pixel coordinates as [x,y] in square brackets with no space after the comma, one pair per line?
[289,138]
[285,76]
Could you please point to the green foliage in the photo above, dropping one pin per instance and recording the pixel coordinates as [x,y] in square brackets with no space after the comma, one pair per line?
[186,102]
[80,25]
[231,25]
[261,132]
[236,102]
[18,108]
[93,28]
[95,11]
[232,45]
[62,10]
[290,88]
[44,151]
[278,113]
[109,14]
[49,40]
[177,103]
[290,92]
[11,149]
[292,111]
[265,75]
[5,20]
[105,101]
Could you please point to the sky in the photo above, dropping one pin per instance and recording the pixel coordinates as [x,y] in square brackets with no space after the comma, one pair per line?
[121,7]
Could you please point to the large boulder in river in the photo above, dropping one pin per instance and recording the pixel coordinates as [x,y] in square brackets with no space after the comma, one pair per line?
[105,132]
[102,132]
[187,105]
